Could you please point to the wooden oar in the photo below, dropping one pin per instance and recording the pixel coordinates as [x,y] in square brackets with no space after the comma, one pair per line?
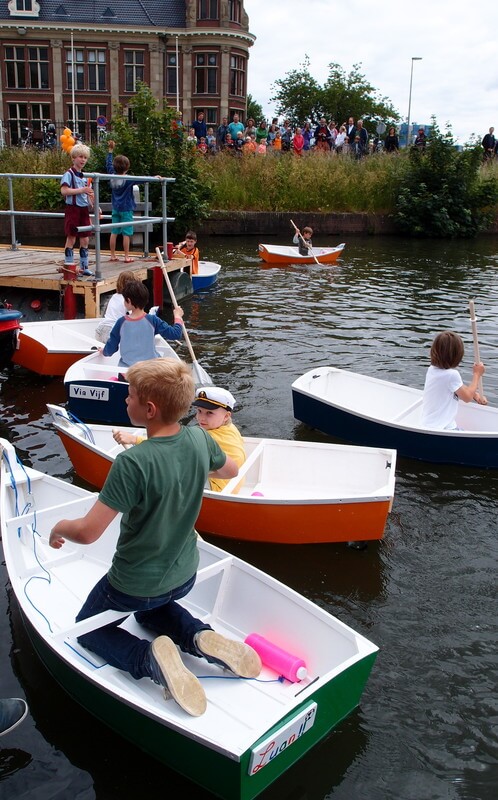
[201,376]
[304,242]
[477,358]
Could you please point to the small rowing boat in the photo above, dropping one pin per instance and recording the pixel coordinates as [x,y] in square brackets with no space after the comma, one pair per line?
[374,412]
[207,275]
[253,730]
[50,347]
[97,389]
[281,254]
[286,492]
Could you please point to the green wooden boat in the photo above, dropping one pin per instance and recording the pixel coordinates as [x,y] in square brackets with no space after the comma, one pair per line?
[253,730]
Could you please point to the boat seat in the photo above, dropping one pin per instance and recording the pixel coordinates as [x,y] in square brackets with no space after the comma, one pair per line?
[401,417]
[244,469]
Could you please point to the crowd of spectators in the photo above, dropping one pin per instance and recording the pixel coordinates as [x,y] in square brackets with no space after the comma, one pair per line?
[349,138]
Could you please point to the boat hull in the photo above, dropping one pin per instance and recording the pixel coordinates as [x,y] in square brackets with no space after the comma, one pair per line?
[206,277]
[215,772]
[50,347]
[254,517]
[440,447]
[289,255]
[34,356]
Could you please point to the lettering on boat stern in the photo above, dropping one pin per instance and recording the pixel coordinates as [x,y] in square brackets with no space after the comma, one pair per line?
[271,747]
[88,392]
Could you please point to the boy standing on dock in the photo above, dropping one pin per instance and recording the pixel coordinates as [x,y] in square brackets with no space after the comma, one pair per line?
[123,202]
[78,197]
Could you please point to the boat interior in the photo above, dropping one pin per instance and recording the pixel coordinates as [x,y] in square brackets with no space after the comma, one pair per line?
[232,596]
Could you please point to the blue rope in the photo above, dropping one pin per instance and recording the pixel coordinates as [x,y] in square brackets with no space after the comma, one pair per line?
[73,418]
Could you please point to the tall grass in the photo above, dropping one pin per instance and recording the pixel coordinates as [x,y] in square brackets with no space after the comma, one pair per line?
[274,182]
[315,182]
[13,160]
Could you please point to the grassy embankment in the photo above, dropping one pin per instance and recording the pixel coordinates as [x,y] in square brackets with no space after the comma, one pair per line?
[273,182]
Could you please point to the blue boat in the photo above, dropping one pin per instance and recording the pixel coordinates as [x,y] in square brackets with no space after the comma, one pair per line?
[96,387]
[207,275]
[378,413]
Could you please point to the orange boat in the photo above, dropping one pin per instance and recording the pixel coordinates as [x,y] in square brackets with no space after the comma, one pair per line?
[281,254]
[50,347]
[286,492]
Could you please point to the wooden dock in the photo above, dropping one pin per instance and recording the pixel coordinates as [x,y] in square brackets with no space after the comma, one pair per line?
[40,268]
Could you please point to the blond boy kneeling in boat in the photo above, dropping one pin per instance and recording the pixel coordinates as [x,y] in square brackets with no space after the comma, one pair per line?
[158,488]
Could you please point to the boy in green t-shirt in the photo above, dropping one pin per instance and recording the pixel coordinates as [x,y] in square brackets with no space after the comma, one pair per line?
[156,556]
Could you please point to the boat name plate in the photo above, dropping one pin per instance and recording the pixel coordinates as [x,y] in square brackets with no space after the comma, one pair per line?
[281,739]
[88,392]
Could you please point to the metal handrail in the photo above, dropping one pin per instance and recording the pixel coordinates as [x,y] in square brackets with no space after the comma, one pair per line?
[96,227]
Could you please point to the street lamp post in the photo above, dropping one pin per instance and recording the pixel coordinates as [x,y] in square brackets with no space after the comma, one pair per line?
[414,58]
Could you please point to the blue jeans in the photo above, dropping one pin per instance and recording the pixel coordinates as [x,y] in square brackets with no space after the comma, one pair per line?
[158,614]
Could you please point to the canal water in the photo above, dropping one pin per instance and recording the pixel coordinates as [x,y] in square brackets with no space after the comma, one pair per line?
[426,728]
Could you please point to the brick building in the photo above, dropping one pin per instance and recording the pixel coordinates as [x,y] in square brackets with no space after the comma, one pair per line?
[194,53]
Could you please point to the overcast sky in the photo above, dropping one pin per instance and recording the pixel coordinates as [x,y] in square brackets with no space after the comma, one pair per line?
[457,79]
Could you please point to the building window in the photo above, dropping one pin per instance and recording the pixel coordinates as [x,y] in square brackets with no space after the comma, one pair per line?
[211,116]
[40,113]
[15,67]
[234,10]
[38,67]
[171,73]
[237,75]
[77,125]
[134,69]
[26,67]
[206,73]
[89,70]
[207,9]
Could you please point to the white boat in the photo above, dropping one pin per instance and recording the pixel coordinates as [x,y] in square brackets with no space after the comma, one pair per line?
[378,413]
[252,730]
[97,389]
[49,347]
[286,492]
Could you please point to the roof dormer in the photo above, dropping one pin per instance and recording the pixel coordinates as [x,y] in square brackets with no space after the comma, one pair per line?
[24,8]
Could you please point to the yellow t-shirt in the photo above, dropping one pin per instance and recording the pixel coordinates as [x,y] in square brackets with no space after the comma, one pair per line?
[231,442]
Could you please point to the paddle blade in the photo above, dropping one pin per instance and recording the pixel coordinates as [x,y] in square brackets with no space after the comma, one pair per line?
[200,375]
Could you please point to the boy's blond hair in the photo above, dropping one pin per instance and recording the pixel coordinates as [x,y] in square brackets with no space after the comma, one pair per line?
[79,150]
[166,382]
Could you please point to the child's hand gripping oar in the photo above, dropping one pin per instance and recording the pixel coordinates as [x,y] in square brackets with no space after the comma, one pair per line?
[201,376]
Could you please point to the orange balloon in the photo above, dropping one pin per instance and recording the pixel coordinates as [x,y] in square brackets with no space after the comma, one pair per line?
[70,142]
[67,132]
[62,139]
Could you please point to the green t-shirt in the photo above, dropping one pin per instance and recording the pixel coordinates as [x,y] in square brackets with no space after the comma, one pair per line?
[158,487]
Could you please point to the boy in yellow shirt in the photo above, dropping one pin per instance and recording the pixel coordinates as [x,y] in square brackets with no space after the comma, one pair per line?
[214,406]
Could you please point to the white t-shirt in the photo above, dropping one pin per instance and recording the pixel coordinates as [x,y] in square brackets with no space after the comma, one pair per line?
[115,308]
[440,403]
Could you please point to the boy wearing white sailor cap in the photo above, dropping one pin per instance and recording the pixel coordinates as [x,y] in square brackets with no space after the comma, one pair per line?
[214,406]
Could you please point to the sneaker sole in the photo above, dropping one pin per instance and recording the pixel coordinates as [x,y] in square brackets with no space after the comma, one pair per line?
[183,684]
[241,659]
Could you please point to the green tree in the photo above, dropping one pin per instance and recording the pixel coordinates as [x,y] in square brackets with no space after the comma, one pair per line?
[297,96]
[300,97]
[254,109]
[155,147]
[445,192]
